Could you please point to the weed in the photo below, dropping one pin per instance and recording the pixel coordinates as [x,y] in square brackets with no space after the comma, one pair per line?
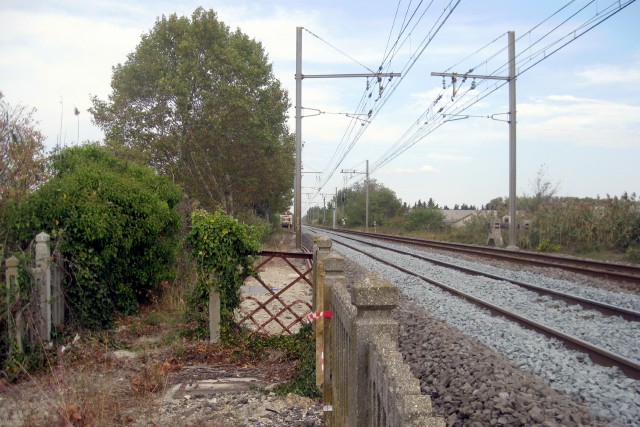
[633,254]
[547,246]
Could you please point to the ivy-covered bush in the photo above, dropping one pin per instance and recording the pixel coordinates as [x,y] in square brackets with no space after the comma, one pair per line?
[224,249]
[115,224]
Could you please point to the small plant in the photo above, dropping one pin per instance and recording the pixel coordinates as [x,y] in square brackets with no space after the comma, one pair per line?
[303,382]
[633,254]
[547,246]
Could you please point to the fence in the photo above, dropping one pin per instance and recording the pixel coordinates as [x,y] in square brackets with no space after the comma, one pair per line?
[45,308]
[276,307]
[364,379]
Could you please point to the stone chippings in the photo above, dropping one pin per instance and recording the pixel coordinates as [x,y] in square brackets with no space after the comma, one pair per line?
[252,408]
[473,385]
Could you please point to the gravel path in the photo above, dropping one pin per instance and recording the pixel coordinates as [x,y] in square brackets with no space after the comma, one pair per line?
[482,380]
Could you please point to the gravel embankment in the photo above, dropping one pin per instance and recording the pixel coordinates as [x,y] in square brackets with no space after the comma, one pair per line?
[489,380]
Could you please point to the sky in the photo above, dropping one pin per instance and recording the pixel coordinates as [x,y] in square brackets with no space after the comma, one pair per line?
[578,109]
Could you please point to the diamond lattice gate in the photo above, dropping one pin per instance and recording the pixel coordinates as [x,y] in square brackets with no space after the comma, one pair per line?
[280,296]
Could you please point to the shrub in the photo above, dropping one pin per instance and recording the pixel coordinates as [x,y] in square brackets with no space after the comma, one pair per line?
[547,246]
[114,222]
[224,249]
[633,254]
[425,219]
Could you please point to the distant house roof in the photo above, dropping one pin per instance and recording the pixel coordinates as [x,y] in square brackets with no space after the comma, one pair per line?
[452,216]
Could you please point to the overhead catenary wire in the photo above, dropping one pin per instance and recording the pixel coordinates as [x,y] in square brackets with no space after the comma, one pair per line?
[353,133]
[419,129]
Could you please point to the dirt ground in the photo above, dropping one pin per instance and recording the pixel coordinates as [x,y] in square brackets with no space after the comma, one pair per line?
[140,374]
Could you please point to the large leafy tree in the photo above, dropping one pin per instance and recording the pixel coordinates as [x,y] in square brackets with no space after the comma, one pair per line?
[383,203]
[199,103]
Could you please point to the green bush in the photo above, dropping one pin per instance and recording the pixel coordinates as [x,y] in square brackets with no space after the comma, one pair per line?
[633,254]
[224,249]
[547,246]
[430,219]
[114,222]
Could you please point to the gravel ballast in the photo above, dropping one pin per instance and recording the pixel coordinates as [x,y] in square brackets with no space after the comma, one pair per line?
[482,380]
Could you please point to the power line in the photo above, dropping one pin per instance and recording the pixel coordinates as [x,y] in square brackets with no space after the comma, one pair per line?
[353,133]
[429,121]
[335,48]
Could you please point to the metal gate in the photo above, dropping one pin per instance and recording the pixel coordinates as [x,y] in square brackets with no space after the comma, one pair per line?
[279,297]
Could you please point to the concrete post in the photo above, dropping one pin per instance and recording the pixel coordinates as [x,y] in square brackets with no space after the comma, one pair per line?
[333,265]
[375,298]
[214,316]
[495,234]
[321,249]
[57,297]
[43,283]
[13,296]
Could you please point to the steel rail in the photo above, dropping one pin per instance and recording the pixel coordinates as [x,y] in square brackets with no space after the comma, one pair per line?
[604,308]
[597,354]
[609,270]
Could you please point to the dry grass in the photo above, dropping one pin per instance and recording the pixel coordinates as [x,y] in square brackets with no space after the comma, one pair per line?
[280,240]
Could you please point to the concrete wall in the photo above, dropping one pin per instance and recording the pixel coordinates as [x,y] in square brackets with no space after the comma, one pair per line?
[365,381]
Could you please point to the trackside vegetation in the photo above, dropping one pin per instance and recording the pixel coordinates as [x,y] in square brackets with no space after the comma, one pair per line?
[597,227]
[115,224]
[224,250]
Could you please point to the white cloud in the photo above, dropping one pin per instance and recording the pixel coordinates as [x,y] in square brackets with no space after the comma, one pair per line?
[448,157]
[426,169]
[580,121]
[607,74]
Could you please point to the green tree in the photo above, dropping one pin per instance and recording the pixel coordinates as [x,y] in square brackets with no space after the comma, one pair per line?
[430,219]
[383,204]
[199,103]
[23,164]
[116,225]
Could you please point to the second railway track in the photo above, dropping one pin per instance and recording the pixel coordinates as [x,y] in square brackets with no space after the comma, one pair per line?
[608,270]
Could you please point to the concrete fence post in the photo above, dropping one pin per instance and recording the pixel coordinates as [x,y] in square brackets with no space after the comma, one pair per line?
[15,327]
[375,299]
[333,265]
[43,284]
[57,297]
[214,315]
[495,234]
[321,249]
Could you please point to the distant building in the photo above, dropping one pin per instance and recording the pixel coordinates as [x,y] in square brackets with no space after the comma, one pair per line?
[459,217]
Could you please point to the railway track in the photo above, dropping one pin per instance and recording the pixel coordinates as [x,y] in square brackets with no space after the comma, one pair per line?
[608,270]
[452,344]
[597,353]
